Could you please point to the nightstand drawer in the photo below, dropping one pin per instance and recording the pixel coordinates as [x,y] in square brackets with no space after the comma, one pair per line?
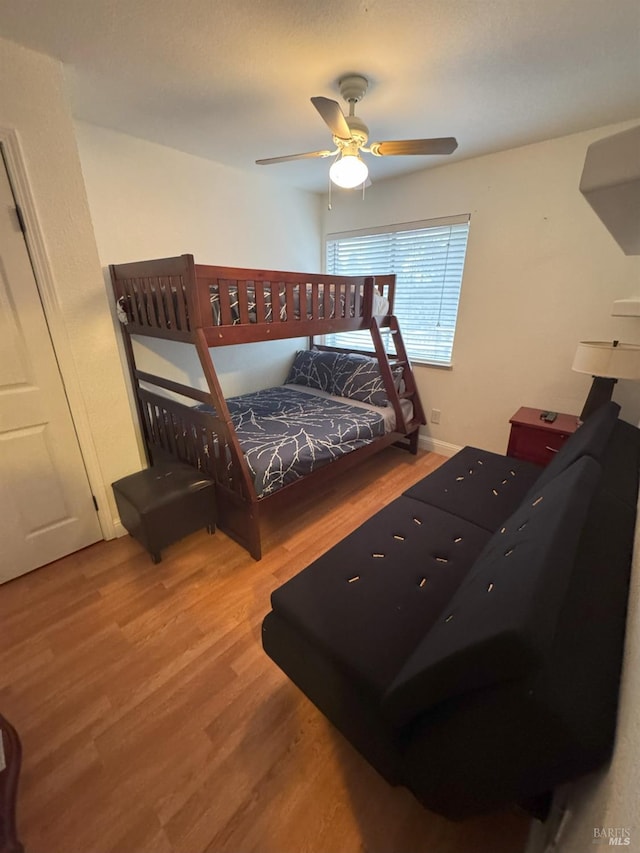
[534,440]
[534,445]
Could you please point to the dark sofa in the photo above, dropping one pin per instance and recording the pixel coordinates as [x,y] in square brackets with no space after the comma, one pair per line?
[468,638]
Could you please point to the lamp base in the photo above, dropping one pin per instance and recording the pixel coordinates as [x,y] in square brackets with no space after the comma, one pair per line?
[600,393]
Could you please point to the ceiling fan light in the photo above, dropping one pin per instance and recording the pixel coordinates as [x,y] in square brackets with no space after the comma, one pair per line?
[349,171]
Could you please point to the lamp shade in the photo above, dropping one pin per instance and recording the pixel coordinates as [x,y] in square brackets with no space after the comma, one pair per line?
[349,171]
[608,359]
[626,307]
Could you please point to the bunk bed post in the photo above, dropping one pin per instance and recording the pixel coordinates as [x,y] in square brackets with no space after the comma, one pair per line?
[367,302]
[390,281]
[198,298]
[250,511]
[131,366]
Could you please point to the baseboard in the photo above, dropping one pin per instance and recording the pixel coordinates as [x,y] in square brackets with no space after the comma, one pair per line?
[434,445]
[119,529]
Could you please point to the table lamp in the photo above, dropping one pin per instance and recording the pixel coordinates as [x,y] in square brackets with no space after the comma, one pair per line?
[606,361]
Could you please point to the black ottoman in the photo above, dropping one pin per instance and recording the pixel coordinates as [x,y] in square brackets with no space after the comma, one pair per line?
[163,503]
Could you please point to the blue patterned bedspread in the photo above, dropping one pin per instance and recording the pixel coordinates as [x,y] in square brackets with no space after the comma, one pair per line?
[286,434]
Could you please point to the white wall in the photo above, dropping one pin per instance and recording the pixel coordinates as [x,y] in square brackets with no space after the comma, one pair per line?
[34,106]
[150,201]
[541,274]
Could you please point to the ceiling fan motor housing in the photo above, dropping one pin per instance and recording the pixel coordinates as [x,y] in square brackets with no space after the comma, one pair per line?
[359,133]
[353,87]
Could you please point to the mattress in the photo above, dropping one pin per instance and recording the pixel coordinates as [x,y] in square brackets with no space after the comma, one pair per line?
[287,432]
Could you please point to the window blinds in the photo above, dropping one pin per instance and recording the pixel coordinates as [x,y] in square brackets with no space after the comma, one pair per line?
[428,260]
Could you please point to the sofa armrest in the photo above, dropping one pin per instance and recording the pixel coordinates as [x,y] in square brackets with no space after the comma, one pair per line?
[591,439]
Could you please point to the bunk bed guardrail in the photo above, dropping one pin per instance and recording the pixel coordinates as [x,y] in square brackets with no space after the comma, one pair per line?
[175,431]
[173,297]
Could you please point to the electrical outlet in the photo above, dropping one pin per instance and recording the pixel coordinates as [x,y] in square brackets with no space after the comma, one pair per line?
[435,416]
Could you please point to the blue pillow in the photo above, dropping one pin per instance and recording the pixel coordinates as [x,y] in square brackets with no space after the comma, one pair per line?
[358,377]
[314,369]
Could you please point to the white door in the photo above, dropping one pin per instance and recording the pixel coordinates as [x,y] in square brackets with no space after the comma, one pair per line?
[46,506]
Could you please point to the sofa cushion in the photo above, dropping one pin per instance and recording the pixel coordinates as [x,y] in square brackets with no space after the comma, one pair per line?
[482,487]
[368,601]
[503,617]
[590,439]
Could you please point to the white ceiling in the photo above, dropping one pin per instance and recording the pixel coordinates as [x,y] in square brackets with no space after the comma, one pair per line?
[230,80]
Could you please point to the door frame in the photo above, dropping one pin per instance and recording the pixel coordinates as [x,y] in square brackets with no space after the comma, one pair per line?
[45,282]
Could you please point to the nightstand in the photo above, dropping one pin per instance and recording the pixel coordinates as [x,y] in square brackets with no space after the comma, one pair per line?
[535,440]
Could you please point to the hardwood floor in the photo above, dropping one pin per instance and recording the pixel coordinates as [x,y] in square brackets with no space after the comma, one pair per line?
[152,721]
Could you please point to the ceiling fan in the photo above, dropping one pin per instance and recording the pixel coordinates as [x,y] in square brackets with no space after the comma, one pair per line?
[350,136]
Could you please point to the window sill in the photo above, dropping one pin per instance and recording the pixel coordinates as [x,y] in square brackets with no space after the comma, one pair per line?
[416,362]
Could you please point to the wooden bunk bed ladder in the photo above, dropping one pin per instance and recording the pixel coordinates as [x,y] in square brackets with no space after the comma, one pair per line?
[410,389]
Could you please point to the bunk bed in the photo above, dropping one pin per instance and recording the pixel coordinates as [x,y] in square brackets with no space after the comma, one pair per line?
[211,306]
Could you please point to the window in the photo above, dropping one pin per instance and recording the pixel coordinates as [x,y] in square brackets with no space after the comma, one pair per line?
[428,260]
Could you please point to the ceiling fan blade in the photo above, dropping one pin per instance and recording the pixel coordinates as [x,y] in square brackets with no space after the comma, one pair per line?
[441,145]
[309,156]
[332,116]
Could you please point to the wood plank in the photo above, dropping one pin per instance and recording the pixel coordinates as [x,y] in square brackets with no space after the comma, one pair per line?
[150,301]
[171,303]
[327,294]
[238,334]
[178,289]
[224,302]
[151,719]
[135,304]
[290,301]
[163,292]
[277,294]
[243,301]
